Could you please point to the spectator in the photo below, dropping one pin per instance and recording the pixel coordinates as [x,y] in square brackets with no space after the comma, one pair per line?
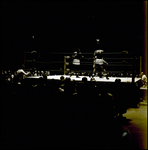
[20,74]
[143,79]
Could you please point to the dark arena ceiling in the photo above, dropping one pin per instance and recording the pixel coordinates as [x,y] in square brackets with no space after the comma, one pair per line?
[62,26]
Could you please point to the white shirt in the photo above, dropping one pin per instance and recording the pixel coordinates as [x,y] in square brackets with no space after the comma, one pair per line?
[99,61]
[76,62]
[144,78]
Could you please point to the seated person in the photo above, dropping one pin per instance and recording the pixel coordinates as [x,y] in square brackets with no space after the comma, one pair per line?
[20,74]
[143,79]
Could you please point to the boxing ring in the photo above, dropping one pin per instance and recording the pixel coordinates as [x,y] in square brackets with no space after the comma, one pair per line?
[121,65]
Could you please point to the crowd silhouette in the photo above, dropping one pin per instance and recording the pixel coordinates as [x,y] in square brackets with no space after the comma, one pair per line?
[43,113]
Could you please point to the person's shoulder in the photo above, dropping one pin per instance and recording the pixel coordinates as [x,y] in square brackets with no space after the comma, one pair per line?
[19,70]
[143,75]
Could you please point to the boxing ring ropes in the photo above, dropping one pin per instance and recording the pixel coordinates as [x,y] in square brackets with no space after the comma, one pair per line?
[65,70]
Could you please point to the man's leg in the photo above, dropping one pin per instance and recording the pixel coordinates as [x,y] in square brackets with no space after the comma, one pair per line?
[100,71]
[95,68]
[105,73]
[77,70]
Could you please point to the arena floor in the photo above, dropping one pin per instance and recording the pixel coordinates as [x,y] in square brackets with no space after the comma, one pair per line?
[137,126]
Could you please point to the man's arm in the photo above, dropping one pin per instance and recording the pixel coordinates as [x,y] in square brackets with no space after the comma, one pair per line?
[94,63]
[22,71]
[105,61]
[27,73]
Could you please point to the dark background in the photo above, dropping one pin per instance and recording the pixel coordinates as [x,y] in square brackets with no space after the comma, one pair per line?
[66,26]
